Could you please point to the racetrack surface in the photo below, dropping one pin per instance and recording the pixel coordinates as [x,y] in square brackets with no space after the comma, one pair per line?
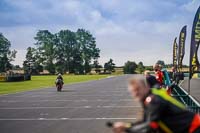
[194,87]
[80,108]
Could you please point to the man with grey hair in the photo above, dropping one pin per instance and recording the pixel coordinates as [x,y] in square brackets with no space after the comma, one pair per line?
[162,113]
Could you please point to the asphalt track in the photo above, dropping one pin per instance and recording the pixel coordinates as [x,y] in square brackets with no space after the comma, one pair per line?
[194,87]
[80,108]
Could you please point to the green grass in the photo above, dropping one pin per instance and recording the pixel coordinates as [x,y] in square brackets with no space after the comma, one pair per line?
[39,82]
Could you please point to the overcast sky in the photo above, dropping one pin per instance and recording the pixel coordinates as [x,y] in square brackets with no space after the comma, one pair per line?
[136,30]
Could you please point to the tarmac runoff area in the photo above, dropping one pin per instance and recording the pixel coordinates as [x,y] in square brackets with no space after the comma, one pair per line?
[194,87]
[79,108]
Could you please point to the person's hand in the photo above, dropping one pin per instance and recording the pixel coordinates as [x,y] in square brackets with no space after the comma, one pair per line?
[119,127]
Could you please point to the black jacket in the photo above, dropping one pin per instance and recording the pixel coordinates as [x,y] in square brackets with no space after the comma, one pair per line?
[170,115]
[60,77]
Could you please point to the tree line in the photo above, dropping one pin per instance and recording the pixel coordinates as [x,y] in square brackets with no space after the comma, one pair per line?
[131,67]
[62,52]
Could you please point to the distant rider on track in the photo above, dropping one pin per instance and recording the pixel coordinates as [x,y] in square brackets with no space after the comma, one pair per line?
[59,80]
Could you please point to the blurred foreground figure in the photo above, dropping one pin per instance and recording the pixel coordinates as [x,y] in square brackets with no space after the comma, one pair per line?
[147,73]
[162,113]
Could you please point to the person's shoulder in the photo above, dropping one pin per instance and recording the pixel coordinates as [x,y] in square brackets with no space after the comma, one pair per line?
[152,99]
[149,99]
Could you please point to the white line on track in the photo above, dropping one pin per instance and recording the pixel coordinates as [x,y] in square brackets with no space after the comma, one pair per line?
[62,119]
[82,92]
[81,100]
[25,96]
[80,107]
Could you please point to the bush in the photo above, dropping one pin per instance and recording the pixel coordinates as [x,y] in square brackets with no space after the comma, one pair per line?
[27,77]
[130,67]
[15,78]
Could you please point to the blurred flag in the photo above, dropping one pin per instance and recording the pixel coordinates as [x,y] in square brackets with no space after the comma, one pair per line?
[181,47]
[195,39]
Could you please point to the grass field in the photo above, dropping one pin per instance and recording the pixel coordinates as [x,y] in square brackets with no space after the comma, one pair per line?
[38,82]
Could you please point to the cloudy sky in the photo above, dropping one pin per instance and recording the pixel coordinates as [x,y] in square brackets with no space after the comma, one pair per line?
[136,30]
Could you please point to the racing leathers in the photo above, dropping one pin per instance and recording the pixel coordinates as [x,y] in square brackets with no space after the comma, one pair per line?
[58,79]
[164,114]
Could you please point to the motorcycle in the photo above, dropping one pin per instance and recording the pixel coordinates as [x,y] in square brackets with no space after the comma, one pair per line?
[59,84]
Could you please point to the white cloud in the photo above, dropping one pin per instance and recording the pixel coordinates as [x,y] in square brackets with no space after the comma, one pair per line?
[191,6]
[125,30]
[20,37]
[20,57]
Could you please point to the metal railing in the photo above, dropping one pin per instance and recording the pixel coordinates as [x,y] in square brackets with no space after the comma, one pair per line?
[181,95]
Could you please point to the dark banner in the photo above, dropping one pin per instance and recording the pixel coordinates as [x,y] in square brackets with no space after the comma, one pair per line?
[181,47]
[175,50]
[195,38]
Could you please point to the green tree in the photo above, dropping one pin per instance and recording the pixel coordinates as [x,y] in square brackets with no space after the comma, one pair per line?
[109,66]
[31,64]
[6,55]
[89,51]
[150,68]
[46,43]
[77,63]
[65,50]
[130,67]
[140,67]
[16,67]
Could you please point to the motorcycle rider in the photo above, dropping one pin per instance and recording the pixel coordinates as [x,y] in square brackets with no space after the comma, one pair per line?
[162,113]
[59,77]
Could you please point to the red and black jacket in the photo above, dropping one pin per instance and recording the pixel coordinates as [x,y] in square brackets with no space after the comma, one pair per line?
[166,114]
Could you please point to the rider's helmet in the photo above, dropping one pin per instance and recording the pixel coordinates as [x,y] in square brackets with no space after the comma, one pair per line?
[59,75]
